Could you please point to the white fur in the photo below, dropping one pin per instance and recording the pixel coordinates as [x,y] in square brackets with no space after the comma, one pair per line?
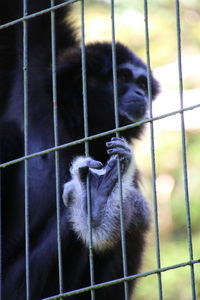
[107,232]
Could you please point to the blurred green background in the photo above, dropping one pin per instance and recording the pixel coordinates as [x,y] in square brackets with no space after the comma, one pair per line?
[172,216]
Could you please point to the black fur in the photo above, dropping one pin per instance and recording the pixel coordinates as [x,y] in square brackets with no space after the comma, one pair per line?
[42,199]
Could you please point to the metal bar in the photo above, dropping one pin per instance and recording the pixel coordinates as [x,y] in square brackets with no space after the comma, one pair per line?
[39,13]
[86,140]
[99,135]
[184,154]
[121,280]
[152,149]
[86,134]
[115,90]
[26,188]
[1,277]
[55,122]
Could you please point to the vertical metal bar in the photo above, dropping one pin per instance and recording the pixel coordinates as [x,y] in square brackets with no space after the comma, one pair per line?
[86,132]
[0,236]
[25,74]
[153,150]
[122,225]
[55,122]
[184,154]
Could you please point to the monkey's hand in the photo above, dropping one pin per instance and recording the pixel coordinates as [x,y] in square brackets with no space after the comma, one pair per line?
[79,170]
[104,196]
[119,148]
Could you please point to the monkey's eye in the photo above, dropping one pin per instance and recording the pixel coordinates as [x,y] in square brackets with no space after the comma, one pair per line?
[142,82]
[124,76]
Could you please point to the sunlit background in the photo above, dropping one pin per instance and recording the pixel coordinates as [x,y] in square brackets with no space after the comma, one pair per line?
[129,17]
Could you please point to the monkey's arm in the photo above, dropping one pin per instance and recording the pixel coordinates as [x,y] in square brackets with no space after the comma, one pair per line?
[105,196]
[11,141]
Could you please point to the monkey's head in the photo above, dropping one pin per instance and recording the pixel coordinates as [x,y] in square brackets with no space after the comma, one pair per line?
[131,86]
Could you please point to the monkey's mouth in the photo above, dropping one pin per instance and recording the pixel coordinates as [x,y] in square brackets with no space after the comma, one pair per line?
[133,111]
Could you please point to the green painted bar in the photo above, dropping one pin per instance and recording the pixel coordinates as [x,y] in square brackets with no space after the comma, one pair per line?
[55,122]
[86,133]
[26,184]
[122,225]
[184,154]
[190,263]
[99,135]
[120,280]
[153,162]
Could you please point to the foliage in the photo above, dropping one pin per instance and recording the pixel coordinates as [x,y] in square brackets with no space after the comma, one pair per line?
[162,25]
[172,213]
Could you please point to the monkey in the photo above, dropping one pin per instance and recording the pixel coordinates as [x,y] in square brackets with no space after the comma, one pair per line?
[106,152]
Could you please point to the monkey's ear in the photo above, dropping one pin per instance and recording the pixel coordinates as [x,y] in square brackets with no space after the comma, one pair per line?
[155,88]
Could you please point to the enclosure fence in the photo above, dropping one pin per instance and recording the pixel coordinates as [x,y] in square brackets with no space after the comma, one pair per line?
[159,270]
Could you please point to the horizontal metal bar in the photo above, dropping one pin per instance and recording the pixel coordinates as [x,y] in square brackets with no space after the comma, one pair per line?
[39,13]
[120,280]
[99,135]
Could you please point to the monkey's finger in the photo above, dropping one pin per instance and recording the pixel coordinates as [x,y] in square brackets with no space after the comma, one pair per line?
[117,139]
[112,163]
[82,165]
[120,151]
[118,144]
[90,163]
[94,164]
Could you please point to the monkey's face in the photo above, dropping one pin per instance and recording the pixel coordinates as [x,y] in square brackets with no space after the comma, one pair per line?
[132,92]
[131,88]
[132,84]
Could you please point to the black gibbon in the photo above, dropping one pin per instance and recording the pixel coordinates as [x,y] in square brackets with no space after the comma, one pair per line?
[73,165]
